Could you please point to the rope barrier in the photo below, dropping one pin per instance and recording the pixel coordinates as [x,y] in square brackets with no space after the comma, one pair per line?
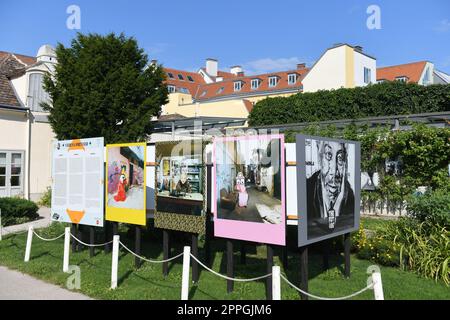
[148,260]
[229,278]
[323,298]
[90,245]
[44,239]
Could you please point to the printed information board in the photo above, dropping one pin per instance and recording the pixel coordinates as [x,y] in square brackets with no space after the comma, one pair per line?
[77,188]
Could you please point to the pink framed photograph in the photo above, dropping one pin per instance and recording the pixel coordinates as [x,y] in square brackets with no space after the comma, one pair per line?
[249,188]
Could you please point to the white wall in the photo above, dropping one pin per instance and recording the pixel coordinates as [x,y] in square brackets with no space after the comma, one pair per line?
[328,72]
[362,61]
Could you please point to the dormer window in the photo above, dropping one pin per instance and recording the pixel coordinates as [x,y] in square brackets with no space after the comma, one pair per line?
[36,92]
[255,83]
[183,90]
[180,77]
[273,81]
[190,79]
[402,79]
[292,78]
[170,75]
[203,93]
[220,90]
[237,85]
[381,80]
[171,88]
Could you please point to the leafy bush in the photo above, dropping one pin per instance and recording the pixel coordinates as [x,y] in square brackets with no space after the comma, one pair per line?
[423,247]
[432,207]
[388,98]
[16,210]
[46,199]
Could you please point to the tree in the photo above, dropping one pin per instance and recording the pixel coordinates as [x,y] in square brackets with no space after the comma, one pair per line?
[103,87]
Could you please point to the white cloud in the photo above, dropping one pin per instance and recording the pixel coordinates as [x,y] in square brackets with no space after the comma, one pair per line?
[443,26]
[267,65]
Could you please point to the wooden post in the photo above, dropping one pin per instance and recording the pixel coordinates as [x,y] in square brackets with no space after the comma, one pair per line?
[284,256]
[269,295]
[74,242]
[137,247]
[115,228]
[230,266]
[91,241]
[207,245]
[243,252]
[195,270]
[326,252]
[106,229]
[166,252]
[79,235]
[304,271]
[347,245]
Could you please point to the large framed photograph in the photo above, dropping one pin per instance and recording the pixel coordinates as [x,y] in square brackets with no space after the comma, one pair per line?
[249,188]
[77,188]
[329,184]
[126,185]
[180,186]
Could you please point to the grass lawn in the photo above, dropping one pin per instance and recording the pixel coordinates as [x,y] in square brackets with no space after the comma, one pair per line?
[148,283]
[374,223]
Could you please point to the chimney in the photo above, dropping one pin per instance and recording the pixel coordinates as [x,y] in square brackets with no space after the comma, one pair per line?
[358,48]
[236,70]
[211,67]
[240,74]
[301,66]
[153,62]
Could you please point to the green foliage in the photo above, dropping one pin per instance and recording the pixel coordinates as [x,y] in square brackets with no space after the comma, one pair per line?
[432,207]
[16,210]
[423,247]
[103,87]
[46,199]
[388,98]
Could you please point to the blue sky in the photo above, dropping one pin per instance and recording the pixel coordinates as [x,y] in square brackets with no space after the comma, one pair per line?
[262,36]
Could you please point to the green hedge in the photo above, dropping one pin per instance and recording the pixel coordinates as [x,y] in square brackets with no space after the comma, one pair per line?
[388,98]
[16,211]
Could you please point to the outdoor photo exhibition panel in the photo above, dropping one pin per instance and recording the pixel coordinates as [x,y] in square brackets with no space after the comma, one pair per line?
[180,186]
[150,180]
[249,182]
[77,186]
[125,183]
[329,183]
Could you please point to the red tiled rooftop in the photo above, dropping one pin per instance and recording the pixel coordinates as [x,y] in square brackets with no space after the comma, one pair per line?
[412,71]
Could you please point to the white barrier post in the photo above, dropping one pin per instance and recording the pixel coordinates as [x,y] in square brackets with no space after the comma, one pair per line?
[29,241]
[115,261]
[185,279]
[377,286]
[66,249]
[276,283]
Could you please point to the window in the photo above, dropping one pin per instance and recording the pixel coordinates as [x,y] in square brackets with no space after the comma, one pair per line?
[36,93]
[171,88]
[190,79]
[203,93]
[170,75]
[426,77]
[381,80]
[220,90]
[237,85]
[292,78]
[402,79]
[183,90]
[273,81]
[255,83]
[180,77]
[367,75]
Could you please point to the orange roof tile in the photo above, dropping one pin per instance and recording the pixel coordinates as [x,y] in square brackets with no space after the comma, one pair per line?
[412,71]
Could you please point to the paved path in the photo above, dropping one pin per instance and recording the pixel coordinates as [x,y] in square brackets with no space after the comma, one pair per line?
[18,286]
[42,222]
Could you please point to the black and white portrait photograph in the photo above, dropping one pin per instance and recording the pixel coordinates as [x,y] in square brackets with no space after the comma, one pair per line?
[329,183]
